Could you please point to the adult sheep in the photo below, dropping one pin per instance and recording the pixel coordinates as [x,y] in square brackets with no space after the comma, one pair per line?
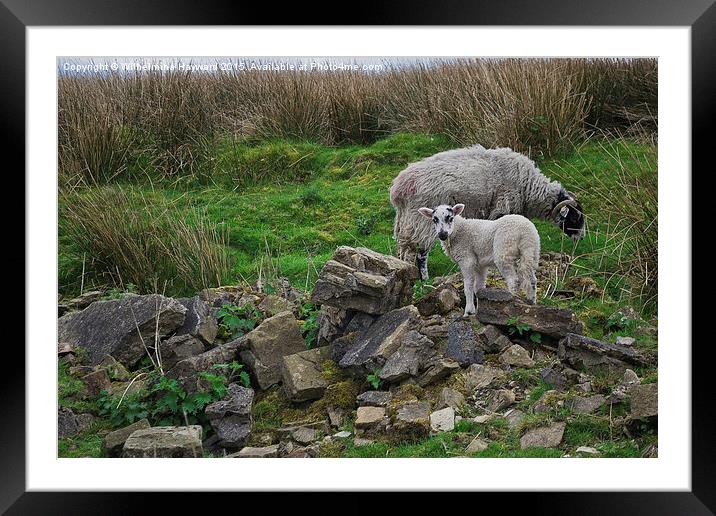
[490,182]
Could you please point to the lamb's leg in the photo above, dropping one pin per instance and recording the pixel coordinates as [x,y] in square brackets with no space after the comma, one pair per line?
[506,265]
[468,276]
[528,281]
[422,262]
[479,280]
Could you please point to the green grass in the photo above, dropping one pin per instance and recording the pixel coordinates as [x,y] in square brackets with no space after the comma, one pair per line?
[285,206]
[290,221]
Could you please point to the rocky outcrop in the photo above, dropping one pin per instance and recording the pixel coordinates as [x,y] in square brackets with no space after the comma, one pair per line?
[499,307]
[366,281]
[411,357]
[231,417]
[582,352]
[124,328]
[644,401]
[544,437]
[372,348]
[113,442]
[187,372]
[440,301]
[199,321]
[267,344]
[179,347]
[67,425]
[463,344]
[302,374]
[164,442]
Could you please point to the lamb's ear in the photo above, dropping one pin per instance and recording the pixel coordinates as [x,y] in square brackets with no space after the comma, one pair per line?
[457,209]
[427,212]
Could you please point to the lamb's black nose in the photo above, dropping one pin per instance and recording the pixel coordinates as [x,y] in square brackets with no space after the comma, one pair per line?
[442,235]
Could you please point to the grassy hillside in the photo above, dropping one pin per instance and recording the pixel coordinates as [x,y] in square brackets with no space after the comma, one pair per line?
[305,199]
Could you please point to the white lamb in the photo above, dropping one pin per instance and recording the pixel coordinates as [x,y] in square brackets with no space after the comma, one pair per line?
[510,243]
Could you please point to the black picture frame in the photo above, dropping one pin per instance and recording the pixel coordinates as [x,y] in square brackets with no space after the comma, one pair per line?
[700,15]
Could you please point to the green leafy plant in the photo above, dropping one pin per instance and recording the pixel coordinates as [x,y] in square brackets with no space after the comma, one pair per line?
[618,322]
[514,326]
[236,372]
[132,408]
[235,321]
[374,379]
[308,315]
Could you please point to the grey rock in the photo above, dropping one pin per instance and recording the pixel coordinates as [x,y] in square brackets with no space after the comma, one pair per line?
[371,349]
[67,425]
[586,405]
[369,418]
[361,441]
[374,399]
[336,416]
[644,401]
[113,442]
[544,437]
[450,398]
[187,372]
[476,445]
[199,321]
[588,450]
[304,435]
[96,382]
[625,341]
[517,356]
[484,418]
[302,374]
[273,304]
[411,421]
[84,421]
[583,353]
[514,417]
[115,370]
[437,370]
[175,349]
[479,376]
[366,281]
[440,301]
[250,452]
[411,357]
[268,343]
[501,399]
[342,435]
[492,340]
[630,378]
[443,420]
[230,417]
[164,442]
[462,344]
[111,327]
[497,307]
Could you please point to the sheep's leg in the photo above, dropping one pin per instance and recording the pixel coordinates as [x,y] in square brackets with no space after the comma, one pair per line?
[468,276]
[528,280]
[422,262]
[480,280]
[506,266]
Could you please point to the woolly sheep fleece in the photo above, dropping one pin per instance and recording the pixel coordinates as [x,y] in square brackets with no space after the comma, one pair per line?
[490,182]
[510,243]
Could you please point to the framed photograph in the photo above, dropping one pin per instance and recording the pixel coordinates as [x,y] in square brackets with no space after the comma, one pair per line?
[414,258]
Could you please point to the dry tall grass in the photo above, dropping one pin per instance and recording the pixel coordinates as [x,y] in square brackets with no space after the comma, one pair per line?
[166,123]
[144,243]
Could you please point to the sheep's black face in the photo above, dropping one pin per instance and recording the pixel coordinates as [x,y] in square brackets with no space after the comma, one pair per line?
[571,218]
